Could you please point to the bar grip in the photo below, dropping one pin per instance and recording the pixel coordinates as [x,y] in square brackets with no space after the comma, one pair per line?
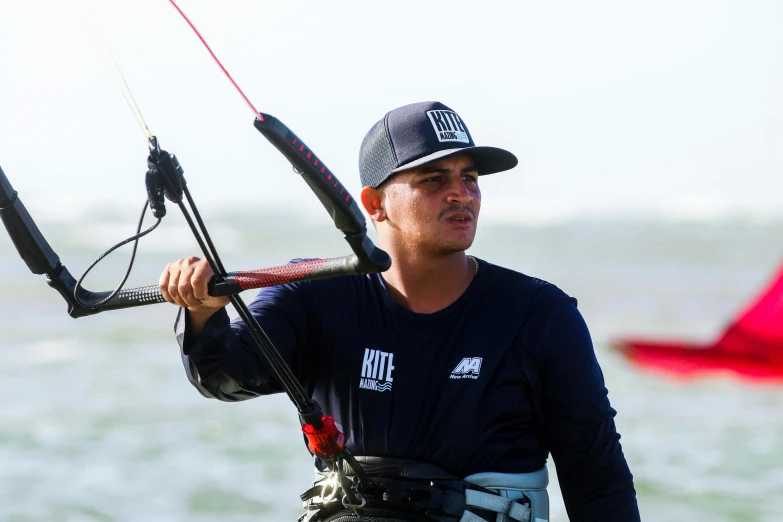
[64,283]
[310,270]
[234,283]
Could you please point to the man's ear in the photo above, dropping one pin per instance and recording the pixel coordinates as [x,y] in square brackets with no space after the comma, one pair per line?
[372,200]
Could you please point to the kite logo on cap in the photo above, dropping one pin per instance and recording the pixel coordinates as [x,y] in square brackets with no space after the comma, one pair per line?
[448,126]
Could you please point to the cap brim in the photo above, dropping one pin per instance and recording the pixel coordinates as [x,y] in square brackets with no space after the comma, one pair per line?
[489,160]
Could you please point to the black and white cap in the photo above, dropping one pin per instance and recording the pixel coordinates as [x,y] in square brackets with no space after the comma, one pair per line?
[416,134]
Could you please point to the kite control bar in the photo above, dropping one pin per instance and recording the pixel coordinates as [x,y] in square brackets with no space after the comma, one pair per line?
[165,178]
[366,258]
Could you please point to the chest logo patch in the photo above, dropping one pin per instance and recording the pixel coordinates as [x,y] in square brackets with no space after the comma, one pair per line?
[468,368]
[377,370]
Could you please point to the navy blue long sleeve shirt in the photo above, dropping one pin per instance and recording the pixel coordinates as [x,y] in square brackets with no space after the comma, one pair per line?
[496,381]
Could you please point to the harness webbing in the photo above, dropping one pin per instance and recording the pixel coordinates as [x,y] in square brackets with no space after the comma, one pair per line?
[496,503]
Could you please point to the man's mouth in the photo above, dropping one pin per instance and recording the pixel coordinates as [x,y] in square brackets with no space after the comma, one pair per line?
[460,218]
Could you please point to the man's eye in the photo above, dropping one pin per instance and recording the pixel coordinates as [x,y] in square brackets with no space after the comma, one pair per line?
[432,179]
[471,178]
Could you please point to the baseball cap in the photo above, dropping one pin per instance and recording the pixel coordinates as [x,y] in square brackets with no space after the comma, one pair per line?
[415,134]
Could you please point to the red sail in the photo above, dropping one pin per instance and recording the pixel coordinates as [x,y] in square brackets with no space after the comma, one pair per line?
[759,328]
[750,347]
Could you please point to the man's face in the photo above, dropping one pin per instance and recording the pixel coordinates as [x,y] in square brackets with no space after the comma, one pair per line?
[434,207]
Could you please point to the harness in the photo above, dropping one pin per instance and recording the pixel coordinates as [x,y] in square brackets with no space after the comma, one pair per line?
[403,490]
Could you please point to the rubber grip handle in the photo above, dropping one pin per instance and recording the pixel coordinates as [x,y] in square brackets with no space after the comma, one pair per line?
[311,270]
[234,283]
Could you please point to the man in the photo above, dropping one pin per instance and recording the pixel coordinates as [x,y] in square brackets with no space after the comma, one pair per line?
[444,358]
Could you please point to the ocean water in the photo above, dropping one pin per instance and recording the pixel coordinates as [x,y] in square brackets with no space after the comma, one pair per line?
[99,423]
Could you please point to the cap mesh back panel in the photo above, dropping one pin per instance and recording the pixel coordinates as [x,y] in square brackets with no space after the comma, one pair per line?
[376,158]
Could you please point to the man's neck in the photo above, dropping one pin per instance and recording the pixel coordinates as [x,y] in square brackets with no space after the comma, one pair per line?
[425,284]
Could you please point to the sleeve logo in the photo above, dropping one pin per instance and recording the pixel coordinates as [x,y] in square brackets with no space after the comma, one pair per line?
[468,368]
[377,370]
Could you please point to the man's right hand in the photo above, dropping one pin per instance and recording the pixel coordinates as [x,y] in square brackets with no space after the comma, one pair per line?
[184,283]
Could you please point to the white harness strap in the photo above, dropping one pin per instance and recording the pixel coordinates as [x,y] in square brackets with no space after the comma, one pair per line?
[496,503]
[516,489]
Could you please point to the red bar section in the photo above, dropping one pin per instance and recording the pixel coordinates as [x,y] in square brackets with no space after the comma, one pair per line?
[276,275]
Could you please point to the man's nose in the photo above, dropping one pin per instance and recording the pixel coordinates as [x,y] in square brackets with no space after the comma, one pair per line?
[459,191]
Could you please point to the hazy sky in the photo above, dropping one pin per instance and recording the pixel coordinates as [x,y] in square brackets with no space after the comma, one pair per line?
[612,107]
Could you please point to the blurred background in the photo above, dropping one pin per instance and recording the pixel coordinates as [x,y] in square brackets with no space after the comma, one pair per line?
[650,140]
